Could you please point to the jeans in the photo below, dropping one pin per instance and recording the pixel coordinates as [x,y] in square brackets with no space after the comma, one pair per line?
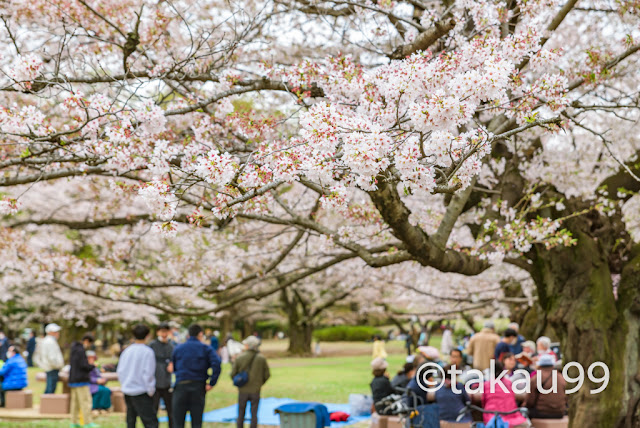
[142,406]
[165,394]
[188,396]
[254,399]
[52,382]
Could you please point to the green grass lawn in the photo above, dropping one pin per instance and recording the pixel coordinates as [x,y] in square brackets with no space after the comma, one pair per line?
[328,378]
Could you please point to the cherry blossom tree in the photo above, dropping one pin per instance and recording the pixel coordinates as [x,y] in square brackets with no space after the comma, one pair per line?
[451,134]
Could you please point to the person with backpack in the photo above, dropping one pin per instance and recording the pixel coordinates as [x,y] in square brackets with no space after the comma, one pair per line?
[250,371]
[191,363]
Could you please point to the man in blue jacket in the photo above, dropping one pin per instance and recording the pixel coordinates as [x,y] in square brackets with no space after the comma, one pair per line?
[191,363]
[13,373]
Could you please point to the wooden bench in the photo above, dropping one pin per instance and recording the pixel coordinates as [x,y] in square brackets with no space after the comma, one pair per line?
[550,423]
[380,421]
[55,404]
[444,424]
[22,399]
[117,401]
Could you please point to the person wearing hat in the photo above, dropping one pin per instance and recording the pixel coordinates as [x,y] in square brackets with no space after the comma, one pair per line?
[380,385]
[255,365]
[191,363]
[163,350]
[48,356]
[482,346]
[547,405]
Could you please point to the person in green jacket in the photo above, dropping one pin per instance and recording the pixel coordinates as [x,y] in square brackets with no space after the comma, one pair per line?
[255,364]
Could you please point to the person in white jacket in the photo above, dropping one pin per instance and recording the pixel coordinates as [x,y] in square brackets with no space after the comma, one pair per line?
[48,356]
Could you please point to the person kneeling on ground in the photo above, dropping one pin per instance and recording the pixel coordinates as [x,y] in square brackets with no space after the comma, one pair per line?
[13,373]
[551,405]
[380,385]
[100,393]
[79,382]
[451,402]
[255,365]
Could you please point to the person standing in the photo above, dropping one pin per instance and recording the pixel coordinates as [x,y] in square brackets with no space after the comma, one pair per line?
[378,348]
[79,382]
[13,373]
[48,356]
[4,346]
[163,350]
[255,365]
[137,374]
[191,363]
[31,348]
[482,346]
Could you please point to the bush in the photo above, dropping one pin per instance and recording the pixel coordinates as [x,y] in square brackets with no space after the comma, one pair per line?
[346,333]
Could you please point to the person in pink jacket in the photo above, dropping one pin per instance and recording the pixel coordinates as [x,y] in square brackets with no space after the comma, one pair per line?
[502,401]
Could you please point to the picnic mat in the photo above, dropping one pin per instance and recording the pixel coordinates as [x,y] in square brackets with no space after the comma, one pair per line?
[266,415]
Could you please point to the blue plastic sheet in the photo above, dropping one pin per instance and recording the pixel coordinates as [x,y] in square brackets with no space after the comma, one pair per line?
[266,415]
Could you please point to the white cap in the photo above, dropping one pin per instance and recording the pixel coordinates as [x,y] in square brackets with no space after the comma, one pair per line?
[52,328]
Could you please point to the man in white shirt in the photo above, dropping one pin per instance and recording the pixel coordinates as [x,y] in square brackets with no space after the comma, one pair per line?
[137,375]
[48,356]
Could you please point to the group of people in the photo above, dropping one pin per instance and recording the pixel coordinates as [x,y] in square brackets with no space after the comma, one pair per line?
[145,373]
[178,374]
[509,353]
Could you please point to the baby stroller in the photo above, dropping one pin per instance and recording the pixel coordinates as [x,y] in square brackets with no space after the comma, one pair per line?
[496,421]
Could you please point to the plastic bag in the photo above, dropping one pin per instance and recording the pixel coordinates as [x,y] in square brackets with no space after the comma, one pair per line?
[360,404]
[428,416]
[495,422]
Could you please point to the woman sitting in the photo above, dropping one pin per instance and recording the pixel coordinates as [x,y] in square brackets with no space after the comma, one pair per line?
[501,401]
[451,402]
[547,405]
[100,393]
[380,385]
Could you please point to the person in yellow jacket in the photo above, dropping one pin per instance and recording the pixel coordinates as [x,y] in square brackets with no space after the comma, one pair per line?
[378,348]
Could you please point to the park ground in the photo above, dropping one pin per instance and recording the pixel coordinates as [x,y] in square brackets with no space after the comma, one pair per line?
[341,369]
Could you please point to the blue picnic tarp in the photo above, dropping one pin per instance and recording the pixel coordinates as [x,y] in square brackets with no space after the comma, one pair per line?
[267,415]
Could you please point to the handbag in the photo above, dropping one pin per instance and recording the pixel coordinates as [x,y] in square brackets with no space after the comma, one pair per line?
[242,378]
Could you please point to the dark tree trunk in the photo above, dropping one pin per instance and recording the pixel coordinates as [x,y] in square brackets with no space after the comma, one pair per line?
[576,292]
[300,338]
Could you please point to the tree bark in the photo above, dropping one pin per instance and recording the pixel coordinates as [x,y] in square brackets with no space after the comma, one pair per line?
[300,338]
[577,293]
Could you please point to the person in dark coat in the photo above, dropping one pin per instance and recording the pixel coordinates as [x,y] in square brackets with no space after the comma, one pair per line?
[79,381]
[163,350]
[380,385]
[551,405]
[191,363]
[401,380]
[31,348]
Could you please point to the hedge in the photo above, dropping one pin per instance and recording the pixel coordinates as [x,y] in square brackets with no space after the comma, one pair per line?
[346,333]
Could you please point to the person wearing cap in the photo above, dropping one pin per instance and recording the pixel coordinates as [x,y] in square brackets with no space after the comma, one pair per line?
[79,381]
[48,356]
[482,346]
[547,405]
[380,385]
[255,364]
[163,350]
[191,363]
[100,394]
